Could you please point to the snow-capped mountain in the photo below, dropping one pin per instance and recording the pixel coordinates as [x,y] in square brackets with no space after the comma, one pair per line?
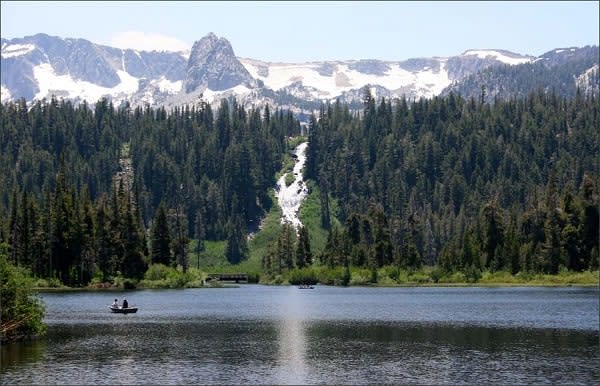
[40,66]
[563,71]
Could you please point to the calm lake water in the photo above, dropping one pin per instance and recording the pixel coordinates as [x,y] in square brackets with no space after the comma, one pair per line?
[284,335]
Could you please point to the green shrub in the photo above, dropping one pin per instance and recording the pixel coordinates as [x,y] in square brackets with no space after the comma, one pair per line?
[437,274]
[329,276]
[278,279]
[124,282]
[457,277]
[154,284]
[48,283]
[473,274]
[22,313]
[360,276]
[374,275]
[302,276]
[419,277]
[498,277]
[157,272]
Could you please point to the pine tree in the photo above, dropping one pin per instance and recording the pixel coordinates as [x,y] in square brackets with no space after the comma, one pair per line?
[134,262]
[161,238]
[236,248]
[493,235]
[303,252]
[552,257]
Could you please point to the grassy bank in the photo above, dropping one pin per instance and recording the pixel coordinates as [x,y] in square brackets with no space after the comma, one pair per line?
[427,276]
[160,276]
[310,215]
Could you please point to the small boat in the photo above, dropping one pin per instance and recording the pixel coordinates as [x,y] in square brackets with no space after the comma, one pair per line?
[121,310]
[306,286]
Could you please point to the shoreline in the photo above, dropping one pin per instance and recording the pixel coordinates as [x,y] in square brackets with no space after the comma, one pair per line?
[403,285]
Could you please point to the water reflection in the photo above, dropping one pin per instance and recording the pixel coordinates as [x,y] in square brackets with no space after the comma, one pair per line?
[292,339]
[21,352]
[283,335]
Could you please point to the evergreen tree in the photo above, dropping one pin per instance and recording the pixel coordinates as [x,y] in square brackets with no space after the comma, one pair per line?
[303,252]
[161,238]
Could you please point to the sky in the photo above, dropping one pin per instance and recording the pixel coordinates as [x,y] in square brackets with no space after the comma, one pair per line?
[291,31]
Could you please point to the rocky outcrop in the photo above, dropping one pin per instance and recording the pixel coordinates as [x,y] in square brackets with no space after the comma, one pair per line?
[212,64]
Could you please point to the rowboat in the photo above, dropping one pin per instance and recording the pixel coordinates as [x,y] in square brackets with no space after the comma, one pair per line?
[121,310]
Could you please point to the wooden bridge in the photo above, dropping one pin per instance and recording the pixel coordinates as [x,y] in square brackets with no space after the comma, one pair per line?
[235,277]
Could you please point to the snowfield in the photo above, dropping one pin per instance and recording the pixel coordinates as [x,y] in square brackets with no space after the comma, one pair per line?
[343,79]
[165,85]
[496,55]
[4,94]
[64,85]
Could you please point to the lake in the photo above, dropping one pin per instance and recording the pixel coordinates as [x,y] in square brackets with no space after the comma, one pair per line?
[258,334]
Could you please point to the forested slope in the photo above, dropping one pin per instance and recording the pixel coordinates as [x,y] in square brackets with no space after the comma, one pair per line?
[69,210]
[510,185]
[453,182]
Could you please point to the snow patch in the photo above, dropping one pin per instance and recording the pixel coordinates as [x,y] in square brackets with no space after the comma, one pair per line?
[212,96]
[65,86]
[185,54]
[12,50]
[165,85]
[4,94]
[290,197]
[123,61]
[558,51]
[496,55]
[281,75]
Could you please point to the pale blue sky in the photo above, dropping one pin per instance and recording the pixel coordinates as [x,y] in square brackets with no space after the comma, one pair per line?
[305,31]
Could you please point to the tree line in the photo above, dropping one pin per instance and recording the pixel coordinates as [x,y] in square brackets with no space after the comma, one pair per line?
[72,209]
[460,183]
[450,181]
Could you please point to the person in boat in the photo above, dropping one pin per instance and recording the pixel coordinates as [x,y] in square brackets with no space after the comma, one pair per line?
[115,304]
[125,304]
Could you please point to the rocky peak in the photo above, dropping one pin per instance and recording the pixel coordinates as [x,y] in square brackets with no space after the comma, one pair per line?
[213,64]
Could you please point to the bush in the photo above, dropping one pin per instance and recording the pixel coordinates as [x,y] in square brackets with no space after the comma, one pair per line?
[374,275]
[157,272]
[456,277]
[419,277]
[161,276]
[302,276]
[360,277]
[437,274]
[498,277]
[329,276]
[125,283]
[48,283]
[278,279]
[473,274]
[22,313]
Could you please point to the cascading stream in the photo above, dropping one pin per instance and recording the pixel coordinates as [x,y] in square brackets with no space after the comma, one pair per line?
[290,197]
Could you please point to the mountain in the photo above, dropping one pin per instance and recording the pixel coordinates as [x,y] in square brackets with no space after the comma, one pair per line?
[39,66]
[213,65]
[562,70]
